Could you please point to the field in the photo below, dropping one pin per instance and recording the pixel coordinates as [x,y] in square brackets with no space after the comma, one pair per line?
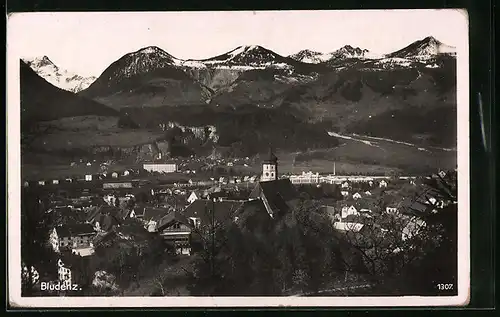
[355,155]
[68,140]
[378,157]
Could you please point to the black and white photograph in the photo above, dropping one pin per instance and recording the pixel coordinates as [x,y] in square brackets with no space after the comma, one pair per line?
[238,158]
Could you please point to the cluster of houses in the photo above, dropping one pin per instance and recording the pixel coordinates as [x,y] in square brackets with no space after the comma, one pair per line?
[105,174]
[96,225]
[99,225]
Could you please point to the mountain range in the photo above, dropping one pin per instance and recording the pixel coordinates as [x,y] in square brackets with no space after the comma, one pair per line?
[57,76]
[254,97]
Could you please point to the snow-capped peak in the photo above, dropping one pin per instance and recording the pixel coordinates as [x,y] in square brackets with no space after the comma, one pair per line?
[248,56]
[39,61]
[348,51]
[242,50]
[309,56]
[61,78]
[424,49]
[154,50]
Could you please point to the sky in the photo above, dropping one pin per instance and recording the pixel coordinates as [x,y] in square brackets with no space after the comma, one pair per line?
[87,43]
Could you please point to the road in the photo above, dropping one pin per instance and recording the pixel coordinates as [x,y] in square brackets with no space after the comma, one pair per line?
[372,141]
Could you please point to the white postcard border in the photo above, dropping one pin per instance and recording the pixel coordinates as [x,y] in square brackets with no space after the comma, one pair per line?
[13,219]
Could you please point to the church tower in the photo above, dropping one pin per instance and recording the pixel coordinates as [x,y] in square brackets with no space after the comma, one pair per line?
[269,168]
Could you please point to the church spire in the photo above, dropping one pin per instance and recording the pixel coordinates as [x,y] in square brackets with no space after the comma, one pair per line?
[271,158]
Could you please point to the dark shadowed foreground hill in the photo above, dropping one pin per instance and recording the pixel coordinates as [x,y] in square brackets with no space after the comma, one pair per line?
[41,101]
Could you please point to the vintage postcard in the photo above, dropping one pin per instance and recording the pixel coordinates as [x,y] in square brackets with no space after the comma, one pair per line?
[238,158]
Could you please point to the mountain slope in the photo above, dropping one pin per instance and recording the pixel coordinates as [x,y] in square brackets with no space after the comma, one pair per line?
[309,56]
[250,56]
[343,53]
[58,77]
[41,101]
[426,48]
[147,77]
[348,98]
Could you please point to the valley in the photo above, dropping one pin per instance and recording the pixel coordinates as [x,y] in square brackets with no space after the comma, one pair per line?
[364,110]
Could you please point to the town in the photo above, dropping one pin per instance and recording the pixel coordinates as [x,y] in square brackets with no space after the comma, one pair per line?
[93,221]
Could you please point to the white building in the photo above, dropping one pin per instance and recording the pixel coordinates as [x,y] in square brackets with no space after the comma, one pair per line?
[348,226]
[55,181]
[64,272]
[88,177]
[391,210]
[382,183]
[41,183]
[161,168]
[192,197]
[344,193]
[345,185]
[269,168]
[305,178]
[347,211]
[412,228]
[356,196]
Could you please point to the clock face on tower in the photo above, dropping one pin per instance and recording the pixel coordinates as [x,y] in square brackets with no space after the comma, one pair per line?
[268,172]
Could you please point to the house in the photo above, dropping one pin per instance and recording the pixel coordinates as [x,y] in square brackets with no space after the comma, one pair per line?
[151,216]
[368,193]
[117,185]
[114,175]
[382,183]
[74,236]
[193,196]
[344,193]
[110,199]
[278,196]
[104,218]
[160,168]
[55,182]
[41,183]
[204,213]
[105,239]
[412,228]
[69,269]
[126,173]
[346,211]
[175,229]
[356,196]
[391,210]
[348,226]
[328,210]
[26,184]
[345,185]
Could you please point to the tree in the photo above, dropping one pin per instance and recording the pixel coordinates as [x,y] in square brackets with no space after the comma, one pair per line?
[409,253]
[440,263]
[35,226]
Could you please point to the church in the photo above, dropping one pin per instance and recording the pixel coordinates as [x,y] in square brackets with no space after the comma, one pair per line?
[277,195]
